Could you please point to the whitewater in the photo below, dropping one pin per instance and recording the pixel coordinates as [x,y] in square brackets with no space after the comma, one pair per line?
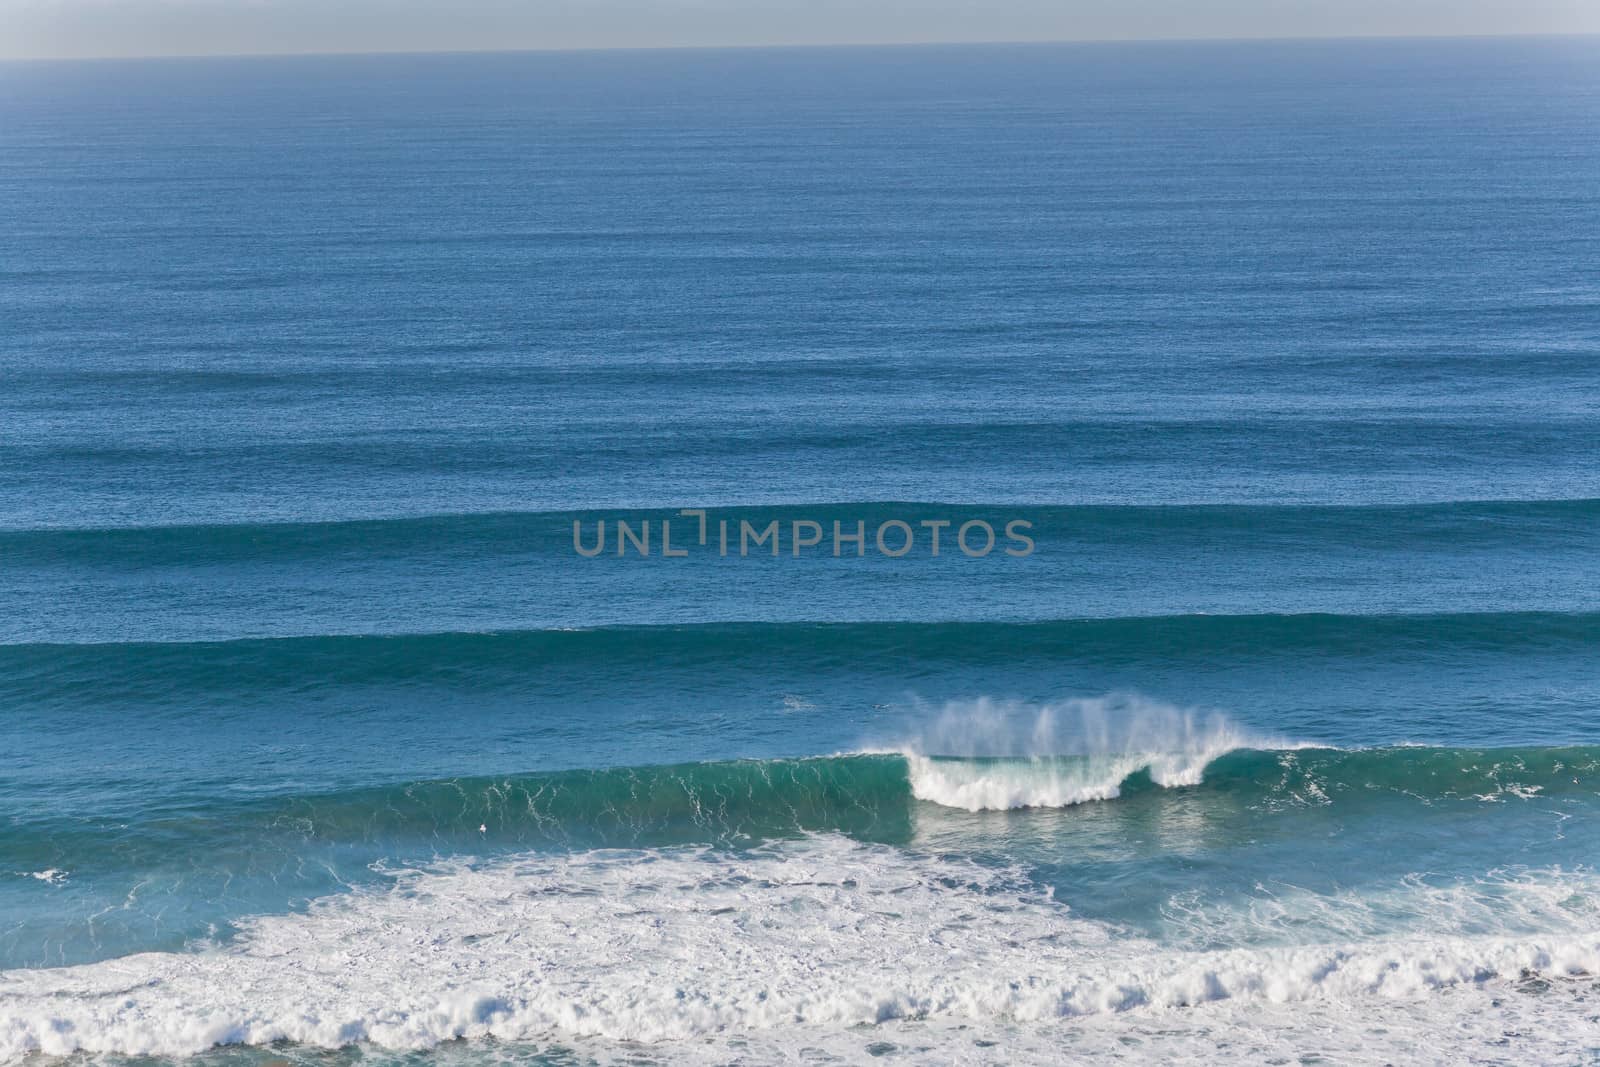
[695,952]
[815,939]
[320,746]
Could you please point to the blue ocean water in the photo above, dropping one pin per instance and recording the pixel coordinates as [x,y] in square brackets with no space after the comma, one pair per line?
[321,742]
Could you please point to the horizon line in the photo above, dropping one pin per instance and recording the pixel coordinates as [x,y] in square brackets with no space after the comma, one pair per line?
[817,46]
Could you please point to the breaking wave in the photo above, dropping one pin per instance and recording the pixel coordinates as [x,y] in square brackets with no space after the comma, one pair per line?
[697,944]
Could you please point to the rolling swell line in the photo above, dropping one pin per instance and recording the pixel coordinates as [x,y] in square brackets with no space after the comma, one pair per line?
[528,530]
[873,796]
[31,674]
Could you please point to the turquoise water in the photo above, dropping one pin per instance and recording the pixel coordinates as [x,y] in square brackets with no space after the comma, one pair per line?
[319,741]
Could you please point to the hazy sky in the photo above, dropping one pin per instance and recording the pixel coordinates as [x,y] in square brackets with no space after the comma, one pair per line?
[47,28]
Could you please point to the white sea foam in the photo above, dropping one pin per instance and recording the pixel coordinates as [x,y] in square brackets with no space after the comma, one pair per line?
[1058,754]
[1503,903]
[789,946]
[1035,782]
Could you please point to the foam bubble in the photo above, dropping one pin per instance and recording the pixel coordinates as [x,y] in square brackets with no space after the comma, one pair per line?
[692,946]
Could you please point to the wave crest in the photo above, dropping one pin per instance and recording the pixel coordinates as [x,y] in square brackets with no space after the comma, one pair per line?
[988,755]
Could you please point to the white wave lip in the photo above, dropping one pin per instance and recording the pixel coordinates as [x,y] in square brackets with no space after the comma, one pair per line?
[989,755]
[688,945]
[1043,782]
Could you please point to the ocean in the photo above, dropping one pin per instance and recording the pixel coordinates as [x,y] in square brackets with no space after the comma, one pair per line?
[1267,728]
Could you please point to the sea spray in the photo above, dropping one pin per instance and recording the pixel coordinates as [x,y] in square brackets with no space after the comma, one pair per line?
[994,755]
